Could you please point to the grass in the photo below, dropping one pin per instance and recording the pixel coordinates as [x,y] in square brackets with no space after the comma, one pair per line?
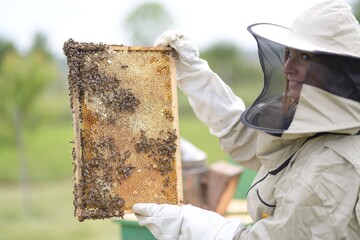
[198,134]
[50,167]
[50,173]
[51,215]
[48,153]
[50,192]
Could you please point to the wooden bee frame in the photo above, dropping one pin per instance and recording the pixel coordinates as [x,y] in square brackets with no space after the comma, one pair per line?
[126,131]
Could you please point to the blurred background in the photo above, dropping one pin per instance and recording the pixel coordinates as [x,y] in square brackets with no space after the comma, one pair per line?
[36,178]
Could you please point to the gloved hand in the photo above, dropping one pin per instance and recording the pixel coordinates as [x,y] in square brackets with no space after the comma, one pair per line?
[170,222]
[213,102]
[188,63]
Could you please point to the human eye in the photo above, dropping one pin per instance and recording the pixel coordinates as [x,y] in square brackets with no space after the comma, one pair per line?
[288,53]
[305,57]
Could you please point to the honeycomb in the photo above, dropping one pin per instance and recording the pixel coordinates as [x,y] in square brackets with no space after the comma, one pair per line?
[125,123]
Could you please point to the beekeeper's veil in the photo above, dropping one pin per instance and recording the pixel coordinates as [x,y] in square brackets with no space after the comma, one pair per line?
[330,32]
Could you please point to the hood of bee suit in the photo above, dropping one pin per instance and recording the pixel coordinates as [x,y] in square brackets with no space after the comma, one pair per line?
[329,100]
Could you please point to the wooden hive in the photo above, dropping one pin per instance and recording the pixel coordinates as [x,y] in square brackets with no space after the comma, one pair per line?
[125,123]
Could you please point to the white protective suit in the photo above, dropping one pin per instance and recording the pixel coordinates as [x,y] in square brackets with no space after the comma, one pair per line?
[308,180]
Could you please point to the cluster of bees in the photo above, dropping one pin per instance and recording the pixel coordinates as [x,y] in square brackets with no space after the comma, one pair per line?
[168,113]
[93,195]
[75,53]
[101,172]
[85,75]
[102,166]
[161,150]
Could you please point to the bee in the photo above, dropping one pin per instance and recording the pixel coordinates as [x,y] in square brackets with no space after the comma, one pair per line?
[166,181]
[73,153]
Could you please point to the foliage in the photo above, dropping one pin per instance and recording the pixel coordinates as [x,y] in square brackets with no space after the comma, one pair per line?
[22,79]
[5,48]
[146,22]
[231,64]
[40,46]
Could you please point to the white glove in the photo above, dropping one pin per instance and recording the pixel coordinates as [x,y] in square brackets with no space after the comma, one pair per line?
[188,63]
[170,222]
[213,102]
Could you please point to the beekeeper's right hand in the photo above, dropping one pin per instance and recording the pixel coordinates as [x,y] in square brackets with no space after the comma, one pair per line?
[212,100]
[168,222]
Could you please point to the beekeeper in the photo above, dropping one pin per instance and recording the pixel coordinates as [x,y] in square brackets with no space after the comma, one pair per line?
[301,134]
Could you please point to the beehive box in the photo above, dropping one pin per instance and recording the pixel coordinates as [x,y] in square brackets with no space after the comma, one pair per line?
[125,123]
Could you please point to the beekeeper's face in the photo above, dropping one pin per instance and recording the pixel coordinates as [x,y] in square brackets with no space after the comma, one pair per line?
[295,69]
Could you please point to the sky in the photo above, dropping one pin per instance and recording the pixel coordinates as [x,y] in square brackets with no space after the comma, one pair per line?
[102,21]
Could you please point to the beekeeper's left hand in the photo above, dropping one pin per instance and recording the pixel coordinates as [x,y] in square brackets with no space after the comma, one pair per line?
[184,222]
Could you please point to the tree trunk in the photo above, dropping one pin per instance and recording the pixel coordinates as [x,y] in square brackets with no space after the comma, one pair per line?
[23,164]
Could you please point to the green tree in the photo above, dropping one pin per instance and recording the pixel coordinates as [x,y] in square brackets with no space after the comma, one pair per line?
[231,63]
[5,47]
[22,79]
[39,45]
[146,22]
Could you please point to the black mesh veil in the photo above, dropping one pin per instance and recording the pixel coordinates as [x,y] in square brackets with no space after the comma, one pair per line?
[267,112]
[273,111]
[339,75]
